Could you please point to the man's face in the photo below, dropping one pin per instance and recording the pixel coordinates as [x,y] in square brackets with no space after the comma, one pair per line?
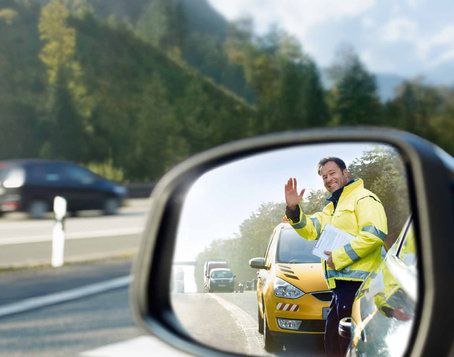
[333,177]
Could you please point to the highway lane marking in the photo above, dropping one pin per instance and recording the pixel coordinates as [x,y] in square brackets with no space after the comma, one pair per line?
[64,296]
[79,235]
[246,323]
[143,346]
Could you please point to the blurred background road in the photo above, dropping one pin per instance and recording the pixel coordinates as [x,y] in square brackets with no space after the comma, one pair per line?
[89,235]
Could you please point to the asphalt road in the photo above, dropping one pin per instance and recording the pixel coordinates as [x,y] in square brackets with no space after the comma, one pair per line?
[81,313]
[89,236]
[64,328]
[228,321]
[214,321]
[76,319]
[82,308]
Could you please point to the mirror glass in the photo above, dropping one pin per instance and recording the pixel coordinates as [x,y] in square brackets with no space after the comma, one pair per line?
[228,218]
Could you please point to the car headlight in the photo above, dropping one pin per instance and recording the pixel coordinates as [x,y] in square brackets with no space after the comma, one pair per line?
[286,290]
[15,179]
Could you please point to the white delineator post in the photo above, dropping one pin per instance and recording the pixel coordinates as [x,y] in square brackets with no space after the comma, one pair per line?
[58,234]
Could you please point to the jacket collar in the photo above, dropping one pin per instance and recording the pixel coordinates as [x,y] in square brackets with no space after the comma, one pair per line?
[349,187]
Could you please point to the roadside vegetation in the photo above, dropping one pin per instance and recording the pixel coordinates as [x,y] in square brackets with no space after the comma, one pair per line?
[136,93]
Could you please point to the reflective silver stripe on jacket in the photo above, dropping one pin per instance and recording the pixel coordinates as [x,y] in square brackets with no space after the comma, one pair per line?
[300,224]
[317,225]
[355,274]
[375,231]
[351,253]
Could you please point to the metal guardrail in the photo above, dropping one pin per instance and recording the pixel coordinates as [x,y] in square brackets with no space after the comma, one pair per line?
[139,190]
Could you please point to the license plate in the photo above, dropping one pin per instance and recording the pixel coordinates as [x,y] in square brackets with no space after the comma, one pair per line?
[325,312]
[221,285]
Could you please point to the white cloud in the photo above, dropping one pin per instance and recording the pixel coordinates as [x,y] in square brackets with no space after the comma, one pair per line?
[310,13]
[432,49]
[368,23]
[445,57]
[414,3]
[443,37]
[407,37]
[439,47]
[295,16]
[399,29]
[378,63]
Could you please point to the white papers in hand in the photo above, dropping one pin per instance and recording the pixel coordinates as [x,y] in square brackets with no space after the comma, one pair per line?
[330,239]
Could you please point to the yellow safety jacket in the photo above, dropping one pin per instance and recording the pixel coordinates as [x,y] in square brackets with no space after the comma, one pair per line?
[360,213]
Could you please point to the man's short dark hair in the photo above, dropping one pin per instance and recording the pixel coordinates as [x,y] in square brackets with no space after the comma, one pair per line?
[339,162]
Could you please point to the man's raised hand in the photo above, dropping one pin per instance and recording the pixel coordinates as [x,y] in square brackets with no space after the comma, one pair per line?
[292,198]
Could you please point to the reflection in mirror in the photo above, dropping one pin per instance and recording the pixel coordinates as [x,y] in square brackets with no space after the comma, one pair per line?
[244,280]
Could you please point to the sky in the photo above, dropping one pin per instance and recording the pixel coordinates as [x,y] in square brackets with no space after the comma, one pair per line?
[223,198]
[407,38]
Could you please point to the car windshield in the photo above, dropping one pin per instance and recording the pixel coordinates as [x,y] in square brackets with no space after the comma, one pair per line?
[222,274]
[293,248]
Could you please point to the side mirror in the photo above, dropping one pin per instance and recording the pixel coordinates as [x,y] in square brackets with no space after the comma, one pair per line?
[257,263]
[183,223]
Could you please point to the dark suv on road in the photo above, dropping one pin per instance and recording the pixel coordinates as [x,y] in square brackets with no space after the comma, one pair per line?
[221,279]
[31,185]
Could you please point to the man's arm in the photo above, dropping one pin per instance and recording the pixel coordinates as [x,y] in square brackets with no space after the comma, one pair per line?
[293,214]
[307,226]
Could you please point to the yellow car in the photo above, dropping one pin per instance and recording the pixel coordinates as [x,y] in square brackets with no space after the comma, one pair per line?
[292,294]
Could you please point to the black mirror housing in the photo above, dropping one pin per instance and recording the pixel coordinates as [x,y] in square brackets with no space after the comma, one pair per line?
[431,192]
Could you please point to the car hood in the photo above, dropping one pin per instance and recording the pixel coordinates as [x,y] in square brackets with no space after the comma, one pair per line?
[308,277]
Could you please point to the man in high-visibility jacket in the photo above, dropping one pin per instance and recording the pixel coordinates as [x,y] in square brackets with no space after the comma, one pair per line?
[356,211]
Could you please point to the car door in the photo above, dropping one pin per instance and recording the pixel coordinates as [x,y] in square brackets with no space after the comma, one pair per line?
[384,311]
[262,274]
[82,187]
[45,180]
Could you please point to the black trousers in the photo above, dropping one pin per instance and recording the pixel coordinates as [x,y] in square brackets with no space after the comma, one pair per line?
[341,306]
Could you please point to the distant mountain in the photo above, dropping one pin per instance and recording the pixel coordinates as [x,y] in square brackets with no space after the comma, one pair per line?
[203,33]
[140,109]
[194,27]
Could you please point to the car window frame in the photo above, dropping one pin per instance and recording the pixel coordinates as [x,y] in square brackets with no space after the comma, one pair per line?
[270,253]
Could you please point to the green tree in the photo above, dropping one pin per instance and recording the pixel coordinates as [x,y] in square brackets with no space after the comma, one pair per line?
[414,108]
[158,146]
[60,40]
[251,242]
[443,124]
[384,174]
[65,129]
[354,95]
[162,24]
[284,80]
[22,81]
[69,106]
[314,201]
